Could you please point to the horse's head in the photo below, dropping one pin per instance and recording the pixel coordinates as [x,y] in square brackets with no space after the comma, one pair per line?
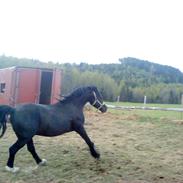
[96,99]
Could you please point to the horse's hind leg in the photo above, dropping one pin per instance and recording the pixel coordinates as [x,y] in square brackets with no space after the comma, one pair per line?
[82,132]
[12,152]
[31,149]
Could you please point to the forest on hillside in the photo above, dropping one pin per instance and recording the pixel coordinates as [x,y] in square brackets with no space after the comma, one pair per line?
[131,79]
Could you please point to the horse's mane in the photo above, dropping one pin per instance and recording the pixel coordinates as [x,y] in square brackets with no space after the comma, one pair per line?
[76,93]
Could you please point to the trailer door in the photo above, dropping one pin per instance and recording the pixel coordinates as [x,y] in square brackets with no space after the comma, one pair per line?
[27,85]
[45,87]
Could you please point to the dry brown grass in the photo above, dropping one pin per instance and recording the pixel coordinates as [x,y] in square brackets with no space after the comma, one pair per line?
[132,151]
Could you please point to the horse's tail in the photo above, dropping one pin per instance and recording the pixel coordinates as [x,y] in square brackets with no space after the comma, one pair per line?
[5,110]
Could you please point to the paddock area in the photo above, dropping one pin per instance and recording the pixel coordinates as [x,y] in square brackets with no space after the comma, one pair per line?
[135,146]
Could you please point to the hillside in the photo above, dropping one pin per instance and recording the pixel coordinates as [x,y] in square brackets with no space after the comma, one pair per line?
[161,73]
[137,72]
[131,79]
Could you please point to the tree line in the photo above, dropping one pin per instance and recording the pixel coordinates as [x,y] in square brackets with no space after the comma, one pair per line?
[110,89]
[131,79]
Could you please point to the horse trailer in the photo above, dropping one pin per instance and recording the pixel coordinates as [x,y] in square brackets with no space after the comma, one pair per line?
[29,85]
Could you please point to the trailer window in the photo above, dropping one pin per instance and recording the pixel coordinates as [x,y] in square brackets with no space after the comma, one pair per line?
[2,87]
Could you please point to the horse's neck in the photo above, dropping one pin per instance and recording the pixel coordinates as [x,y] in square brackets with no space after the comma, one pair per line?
[81,101]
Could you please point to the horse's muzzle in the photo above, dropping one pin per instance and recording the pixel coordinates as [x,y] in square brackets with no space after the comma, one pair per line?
[103,108]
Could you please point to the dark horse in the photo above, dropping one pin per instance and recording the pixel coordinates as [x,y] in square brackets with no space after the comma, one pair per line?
[49,120]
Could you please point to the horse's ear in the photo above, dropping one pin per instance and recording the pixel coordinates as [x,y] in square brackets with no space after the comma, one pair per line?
[92,88]
[89,88]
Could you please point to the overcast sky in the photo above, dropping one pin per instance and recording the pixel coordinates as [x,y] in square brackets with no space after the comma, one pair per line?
[93,31]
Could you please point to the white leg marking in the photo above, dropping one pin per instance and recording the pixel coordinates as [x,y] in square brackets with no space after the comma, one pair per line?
[13,170]
[43,162]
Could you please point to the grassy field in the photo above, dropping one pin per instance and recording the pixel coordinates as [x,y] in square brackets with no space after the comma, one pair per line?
[136,147]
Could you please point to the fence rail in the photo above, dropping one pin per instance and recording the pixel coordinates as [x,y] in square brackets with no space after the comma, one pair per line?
[144,108]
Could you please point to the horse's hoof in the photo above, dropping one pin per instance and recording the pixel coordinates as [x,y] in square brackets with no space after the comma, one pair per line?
[13,170]
[95,154]
[43,162]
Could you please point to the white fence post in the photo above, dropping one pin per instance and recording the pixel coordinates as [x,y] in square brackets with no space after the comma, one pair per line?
[118,98]
[145,100]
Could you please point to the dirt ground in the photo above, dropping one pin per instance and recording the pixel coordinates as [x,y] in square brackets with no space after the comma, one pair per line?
[134,149]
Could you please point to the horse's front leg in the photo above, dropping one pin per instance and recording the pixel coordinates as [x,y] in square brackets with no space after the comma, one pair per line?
[82,132]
